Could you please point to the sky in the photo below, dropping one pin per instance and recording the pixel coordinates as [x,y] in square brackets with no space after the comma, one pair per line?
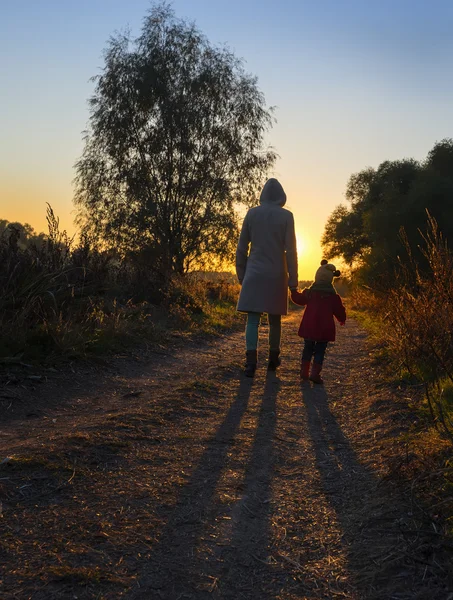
[354,83]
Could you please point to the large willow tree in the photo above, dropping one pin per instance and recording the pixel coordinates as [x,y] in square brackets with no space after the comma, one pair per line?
[175,143]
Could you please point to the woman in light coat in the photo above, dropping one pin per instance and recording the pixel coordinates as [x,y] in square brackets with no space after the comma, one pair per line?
[266,265]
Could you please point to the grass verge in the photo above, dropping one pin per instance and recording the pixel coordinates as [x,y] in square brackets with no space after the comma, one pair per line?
[429,460]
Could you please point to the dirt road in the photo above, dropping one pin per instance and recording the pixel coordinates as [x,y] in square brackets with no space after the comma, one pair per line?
[178,478]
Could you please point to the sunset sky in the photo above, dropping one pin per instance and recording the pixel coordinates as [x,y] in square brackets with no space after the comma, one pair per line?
[354,83]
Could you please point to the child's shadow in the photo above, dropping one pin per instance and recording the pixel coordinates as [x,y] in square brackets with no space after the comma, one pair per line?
[347,484]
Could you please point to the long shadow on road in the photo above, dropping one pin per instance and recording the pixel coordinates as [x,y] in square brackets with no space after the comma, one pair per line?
[174,570]
[370,525]
[247,571]
[235,565]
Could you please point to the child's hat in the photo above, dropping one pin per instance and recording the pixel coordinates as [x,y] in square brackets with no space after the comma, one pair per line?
[326,272]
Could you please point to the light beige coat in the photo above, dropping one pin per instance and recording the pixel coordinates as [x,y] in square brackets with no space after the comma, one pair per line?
[266,255]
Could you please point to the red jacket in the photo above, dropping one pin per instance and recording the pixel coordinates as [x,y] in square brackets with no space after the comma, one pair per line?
[318,321]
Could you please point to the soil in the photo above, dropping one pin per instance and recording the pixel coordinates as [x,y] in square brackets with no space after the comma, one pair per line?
[173,476]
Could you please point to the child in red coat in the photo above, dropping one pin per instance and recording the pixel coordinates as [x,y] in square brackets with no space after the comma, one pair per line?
[318,326]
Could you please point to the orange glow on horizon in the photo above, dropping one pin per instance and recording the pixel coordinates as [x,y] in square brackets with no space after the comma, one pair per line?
[308,252]
[25,201]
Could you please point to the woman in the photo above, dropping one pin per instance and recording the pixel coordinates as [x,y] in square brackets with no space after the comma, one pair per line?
[266,265]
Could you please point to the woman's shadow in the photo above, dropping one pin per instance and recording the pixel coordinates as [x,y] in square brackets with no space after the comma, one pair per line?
[176,568]
[248,572]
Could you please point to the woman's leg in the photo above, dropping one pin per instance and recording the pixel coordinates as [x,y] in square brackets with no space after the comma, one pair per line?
[275,332]
[251,342]
[251,330]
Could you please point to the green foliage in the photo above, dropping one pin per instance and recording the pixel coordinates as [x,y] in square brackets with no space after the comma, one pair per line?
[175,143]
[388,210]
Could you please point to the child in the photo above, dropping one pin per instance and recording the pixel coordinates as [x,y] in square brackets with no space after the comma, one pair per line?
[318,326]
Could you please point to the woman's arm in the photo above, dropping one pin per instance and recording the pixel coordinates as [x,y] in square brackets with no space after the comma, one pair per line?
[291,252]
[242,250]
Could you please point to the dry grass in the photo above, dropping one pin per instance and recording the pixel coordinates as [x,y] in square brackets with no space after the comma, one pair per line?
[411,323]
[59,299]
[411,327]
[420,332]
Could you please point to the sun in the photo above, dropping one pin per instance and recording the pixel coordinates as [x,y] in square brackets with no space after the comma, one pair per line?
[301,245]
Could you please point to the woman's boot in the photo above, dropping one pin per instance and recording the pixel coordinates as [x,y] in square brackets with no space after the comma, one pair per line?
[315,374]
[304,370]
[274,360]
[250,362]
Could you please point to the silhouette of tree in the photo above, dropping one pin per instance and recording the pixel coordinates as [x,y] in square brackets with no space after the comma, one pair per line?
[175,145]
[20,235]
[385,201]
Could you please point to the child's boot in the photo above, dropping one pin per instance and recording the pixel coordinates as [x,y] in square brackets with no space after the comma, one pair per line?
[274,360]
[304,370]
[315,374]
[250,363]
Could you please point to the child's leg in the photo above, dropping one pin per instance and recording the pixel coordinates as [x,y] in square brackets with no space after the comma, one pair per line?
[275,334]
[307,353]
[251,330]
[318,359]
[319,352]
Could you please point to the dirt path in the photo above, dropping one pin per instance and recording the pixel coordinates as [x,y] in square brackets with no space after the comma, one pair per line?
[179,478]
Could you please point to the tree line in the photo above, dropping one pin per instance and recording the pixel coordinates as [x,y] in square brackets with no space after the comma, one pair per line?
[388,212]
[396,236]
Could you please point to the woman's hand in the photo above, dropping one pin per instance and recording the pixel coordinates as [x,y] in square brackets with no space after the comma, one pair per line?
[296,297]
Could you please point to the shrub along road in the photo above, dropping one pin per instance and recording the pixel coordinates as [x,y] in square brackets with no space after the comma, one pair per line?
[176,477]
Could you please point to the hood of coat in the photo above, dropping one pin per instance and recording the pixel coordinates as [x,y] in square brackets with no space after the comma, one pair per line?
[273,193]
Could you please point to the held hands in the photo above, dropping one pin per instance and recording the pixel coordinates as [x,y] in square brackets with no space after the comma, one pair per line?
[295,295]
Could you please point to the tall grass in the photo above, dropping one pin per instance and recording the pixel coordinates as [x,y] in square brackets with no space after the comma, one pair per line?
[59,297]
[421,317]
[414,318]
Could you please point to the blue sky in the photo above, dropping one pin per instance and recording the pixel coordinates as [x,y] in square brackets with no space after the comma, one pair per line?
[354,83]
